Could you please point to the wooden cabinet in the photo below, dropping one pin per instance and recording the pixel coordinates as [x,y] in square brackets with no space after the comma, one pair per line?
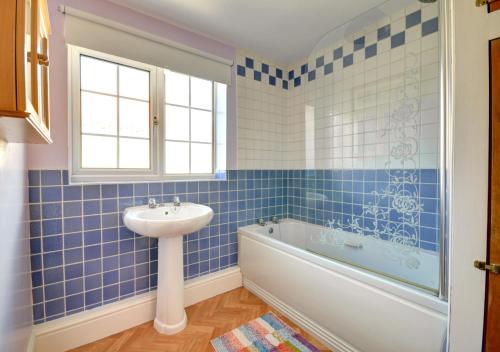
[24,71]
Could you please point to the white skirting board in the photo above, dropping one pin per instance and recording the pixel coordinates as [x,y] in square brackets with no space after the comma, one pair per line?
[31,342]
[82,328]
[323,335]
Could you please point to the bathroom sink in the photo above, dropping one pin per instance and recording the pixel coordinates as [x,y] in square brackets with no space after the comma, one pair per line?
[167,220]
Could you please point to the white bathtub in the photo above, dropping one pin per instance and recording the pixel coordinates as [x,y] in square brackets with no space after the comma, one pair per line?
[350,309]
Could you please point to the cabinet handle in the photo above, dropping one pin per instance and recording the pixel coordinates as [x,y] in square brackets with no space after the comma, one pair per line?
[42,59]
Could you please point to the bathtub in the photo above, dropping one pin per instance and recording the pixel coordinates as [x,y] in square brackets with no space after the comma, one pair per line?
[348,308]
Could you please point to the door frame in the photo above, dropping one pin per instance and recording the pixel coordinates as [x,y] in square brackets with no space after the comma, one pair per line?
[467,32]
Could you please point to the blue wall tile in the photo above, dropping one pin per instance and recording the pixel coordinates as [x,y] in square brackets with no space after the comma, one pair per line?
[110,259]
[430,26]
[279,73]
[240,70]
[348,60]
[370,51]
[413,19]
[51,194]
[51,177]
[384,32]
[397,40]
[72,193]
[328,68]
[106,246]
[311,76]
[249,62]
[92,192]
[320,61]
[265,68]
[34,177]
[256,75]
[359,43]
[337,53]
[303,69]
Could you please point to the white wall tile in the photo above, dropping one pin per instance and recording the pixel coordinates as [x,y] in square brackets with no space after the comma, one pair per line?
[358,113]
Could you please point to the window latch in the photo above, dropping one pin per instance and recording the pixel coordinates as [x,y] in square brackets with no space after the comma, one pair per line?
[155,121]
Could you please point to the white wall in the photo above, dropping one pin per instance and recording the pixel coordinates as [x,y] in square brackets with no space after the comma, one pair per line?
[15,280]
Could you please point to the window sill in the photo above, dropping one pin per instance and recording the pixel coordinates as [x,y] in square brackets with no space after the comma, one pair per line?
[113,179]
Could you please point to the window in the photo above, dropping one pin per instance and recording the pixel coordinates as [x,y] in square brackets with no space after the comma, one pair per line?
[188,124]
[115,115]
[133,121]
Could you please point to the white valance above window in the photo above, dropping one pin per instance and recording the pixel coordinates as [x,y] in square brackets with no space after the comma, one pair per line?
[93,32]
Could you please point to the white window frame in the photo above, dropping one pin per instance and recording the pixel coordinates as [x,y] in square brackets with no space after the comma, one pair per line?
[163,103]
[156,172]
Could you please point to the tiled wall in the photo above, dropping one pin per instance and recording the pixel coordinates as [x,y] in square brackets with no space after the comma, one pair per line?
[393,204]
[356,100]
[360,124]
[83,257]
[349,101]
[260,118]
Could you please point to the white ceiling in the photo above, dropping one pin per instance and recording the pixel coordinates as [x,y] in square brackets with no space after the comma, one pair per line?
[282,30]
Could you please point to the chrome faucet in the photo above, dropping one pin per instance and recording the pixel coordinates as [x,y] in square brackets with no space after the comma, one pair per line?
[275,220]
[152,203]
[261,222]
[176,201]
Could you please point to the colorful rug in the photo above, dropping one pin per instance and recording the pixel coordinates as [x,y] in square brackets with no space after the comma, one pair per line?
[265,334]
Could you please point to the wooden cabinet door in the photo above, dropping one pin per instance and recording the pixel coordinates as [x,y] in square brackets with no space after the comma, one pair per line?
[492,320]
[38,34]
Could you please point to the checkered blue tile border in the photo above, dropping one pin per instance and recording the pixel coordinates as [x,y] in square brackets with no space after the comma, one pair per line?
[324,65]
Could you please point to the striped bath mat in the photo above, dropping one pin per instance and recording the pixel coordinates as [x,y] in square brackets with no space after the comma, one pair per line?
[266,333]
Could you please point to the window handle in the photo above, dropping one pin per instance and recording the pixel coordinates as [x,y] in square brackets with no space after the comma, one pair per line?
[155,121]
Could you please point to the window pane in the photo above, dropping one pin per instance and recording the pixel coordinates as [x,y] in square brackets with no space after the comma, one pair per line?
[176,157]
[134,153]
[134,83]
[134,118]
[176,88]
[98,152]
[201,158]
[98,75]
[98,113]
[176,123]
[201,126]
[201,93]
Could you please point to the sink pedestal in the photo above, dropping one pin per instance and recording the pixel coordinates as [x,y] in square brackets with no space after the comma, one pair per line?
[170,314]
[168,223]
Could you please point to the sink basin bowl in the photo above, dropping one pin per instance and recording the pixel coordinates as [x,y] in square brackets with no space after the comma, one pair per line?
[167,220]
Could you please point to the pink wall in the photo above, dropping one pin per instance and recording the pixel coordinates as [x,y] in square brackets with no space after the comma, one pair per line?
[55,156]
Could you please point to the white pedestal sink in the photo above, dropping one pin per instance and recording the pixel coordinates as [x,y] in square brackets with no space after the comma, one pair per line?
[169,223]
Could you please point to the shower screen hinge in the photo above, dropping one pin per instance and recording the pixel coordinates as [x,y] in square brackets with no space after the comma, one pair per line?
[493,268]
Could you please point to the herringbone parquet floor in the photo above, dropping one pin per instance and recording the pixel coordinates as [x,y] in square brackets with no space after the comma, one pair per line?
[206,320]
